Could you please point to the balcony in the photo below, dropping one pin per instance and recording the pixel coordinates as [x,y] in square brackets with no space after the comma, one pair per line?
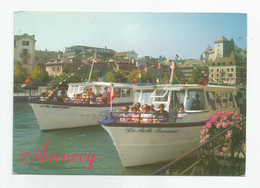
[25,55]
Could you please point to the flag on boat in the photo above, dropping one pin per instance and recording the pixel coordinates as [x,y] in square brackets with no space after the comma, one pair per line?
[113,93]
[159,65]
[28,79]
[95,59]
[134,79]
[173,66]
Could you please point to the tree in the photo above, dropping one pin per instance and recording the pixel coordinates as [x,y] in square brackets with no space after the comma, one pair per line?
[198,74]
[147,77]
[19,74]
[191,80]
[131,76]
[95,74]
[65,69]
[110,77]
[232,45]
[39,75]
[178,75]
[166,78]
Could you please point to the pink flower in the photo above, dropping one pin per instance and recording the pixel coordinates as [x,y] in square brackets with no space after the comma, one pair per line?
[226,144]
[228,122]
[218,125]
[224,149]
[221,154]
[224,118]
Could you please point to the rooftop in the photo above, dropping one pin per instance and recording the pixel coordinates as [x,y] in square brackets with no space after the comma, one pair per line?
[222,39]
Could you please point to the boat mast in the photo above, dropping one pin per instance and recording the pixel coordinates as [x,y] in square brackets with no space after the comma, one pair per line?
[94,59]
[173,72]
[111,97]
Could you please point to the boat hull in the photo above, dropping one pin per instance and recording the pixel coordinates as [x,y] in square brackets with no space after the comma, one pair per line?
[148,145]
[60,116]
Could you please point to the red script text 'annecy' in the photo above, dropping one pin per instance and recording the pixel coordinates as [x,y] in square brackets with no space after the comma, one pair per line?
[40,155]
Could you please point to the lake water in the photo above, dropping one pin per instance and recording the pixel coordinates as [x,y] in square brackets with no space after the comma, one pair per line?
[27,137]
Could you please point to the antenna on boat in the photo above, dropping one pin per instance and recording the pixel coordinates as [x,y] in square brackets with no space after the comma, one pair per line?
[94,60]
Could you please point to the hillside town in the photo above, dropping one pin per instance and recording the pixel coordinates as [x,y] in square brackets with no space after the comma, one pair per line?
[224,63]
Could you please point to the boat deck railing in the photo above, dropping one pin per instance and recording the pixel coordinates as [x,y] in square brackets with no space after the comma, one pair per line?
[155,117]
[231,164]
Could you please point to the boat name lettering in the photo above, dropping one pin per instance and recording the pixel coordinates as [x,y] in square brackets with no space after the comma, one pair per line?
[51,106]
[150,130]
[27,157]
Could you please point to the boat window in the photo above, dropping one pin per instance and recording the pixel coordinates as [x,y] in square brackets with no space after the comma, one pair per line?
[182,96]
[219,101]
[70,90]
[146,97]
[224,99]
[118,92]
[211,99]
[231,103]
[128,92]
[123,92]
[160,95]
[143,96]
[75,90]
[137,96]
[85,89]
[97,90]
[195,99]
[80,89]
[177,99]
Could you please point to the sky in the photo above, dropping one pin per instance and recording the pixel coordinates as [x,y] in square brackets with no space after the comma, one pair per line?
[148,34]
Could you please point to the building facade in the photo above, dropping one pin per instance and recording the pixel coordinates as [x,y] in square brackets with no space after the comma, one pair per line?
[187,67]
[24,51]
[227,62]
[46,56]
[222,48]
[126,60]
[228,70]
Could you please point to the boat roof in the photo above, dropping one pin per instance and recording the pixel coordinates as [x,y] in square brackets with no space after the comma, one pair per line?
[195,86]
[108,84]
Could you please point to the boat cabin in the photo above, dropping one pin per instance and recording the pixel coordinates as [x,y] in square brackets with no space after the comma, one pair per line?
[193,97]
[124,92]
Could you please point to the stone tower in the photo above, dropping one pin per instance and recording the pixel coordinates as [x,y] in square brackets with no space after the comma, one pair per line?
[222,47]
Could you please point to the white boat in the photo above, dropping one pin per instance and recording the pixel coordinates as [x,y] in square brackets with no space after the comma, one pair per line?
[59,115]
[140,143]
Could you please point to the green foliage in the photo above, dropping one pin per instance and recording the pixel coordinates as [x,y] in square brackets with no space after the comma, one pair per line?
[178,77]
[95,74]
[65,69]
[131,75]
[166,78]
[191,80]
[38,75]
[19,74]
[146,77]
[110,77]
[197,74]
[227,146]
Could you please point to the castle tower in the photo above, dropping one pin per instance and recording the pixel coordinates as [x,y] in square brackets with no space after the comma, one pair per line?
[222,47]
